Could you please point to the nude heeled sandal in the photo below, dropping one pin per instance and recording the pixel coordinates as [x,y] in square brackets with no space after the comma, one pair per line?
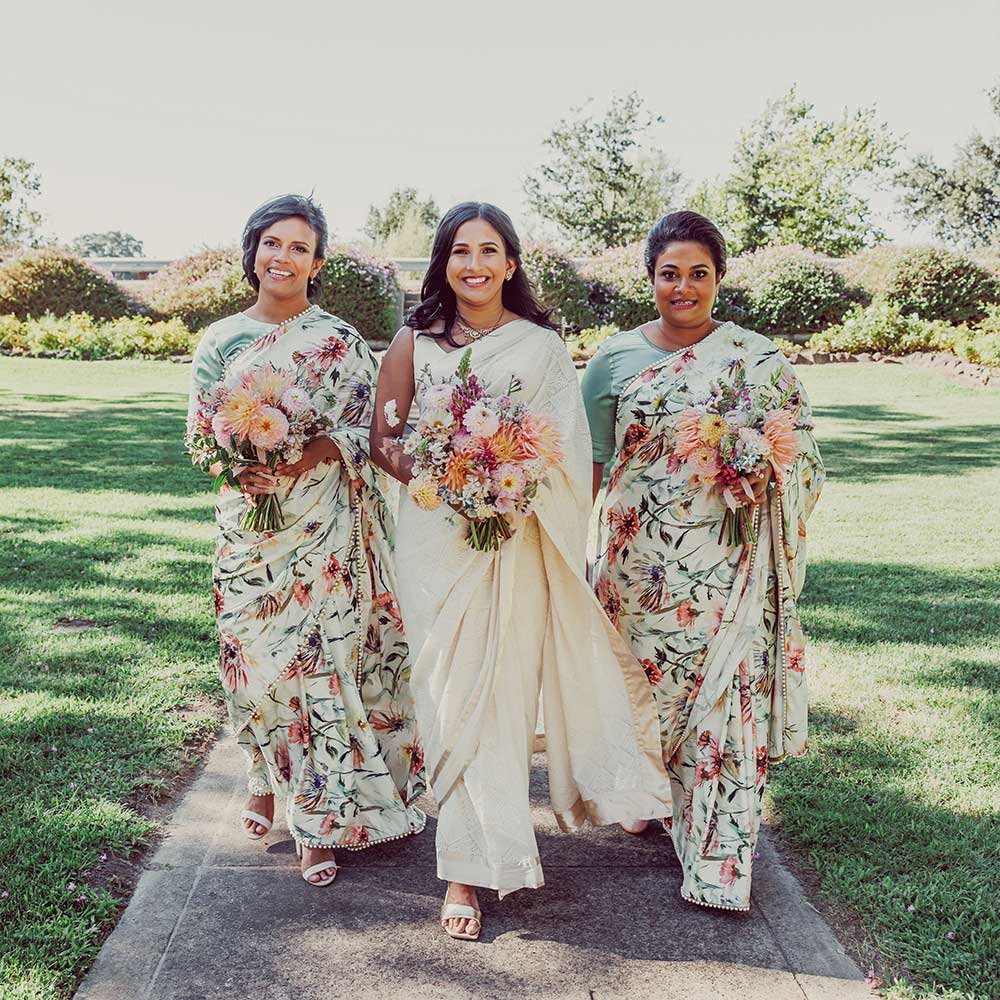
[316,869]
[258,820]
[459,911]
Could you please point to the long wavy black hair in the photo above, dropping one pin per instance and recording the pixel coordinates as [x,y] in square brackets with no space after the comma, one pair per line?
[287,206]
[437,300]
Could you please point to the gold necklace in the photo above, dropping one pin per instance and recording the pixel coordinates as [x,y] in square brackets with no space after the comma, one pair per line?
[471,332]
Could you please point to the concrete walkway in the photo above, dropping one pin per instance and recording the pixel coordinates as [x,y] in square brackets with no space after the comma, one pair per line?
[216,915]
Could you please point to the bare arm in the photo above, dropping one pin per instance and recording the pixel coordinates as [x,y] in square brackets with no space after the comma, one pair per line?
[598,477]
[395,384]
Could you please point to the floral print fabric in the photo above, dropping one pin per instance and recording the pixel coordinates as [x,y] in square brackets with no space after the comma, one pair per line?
[314,661]
[715,626]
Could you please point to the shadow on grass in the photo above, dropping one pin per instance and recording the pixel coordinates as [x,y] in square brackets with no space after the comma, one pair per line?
[125,586]
[133,446]
[866,413]
[879,848]
[895,602]
[900,452]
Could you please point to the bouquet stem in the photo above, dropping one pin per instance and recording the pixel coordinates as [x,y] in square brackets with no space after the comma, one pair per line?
[488,534]
[738,527]
[263,513]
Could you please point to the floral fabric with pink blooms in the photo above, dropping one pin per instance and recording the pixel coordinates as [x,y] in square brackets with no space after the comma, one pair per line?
[713,623]
[314,661]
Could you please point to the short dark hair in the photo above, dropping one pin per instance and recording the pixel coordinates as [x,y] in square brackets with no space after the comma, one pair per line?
[437,300]
[288,206]
[686,227]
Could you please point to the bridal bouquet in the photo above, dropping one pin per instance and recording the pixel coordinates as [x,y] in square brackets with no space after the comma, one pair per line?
[263,416]
[484,455]
[733,432]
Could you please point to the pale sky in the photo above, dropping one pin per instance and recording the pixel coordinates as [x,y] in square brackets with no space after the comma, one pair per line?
[173,120]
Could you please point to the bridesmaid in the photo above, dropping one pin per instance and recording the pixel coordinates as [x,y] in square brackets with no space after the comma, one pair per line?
[488,630]
[313,660]
[714,625]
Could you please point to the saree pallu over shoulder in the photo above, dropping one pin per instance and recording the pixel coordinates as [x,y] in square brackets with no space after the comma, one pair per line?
[715,626]
[473,618]
[313,657]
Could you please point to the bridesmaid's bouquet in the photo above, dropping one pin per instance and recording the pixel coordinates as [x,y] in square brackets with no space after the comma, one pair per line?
[264,416]
[484,455]
[734,431]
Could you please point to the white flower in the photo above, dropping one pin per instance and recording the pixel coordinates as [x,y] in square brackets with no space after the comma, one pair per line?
[736,418]
[391,413]
[436,397]
[754,441]
[481,421]
[294,399]
[438,418]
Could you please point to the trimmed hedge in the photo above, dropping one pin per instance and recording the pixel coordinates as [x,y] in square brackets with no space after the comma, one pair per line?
[559,286]
[56,281]
[209,285]
[362,291]
[935,283]
[784,290]
[80,336]
[929,281]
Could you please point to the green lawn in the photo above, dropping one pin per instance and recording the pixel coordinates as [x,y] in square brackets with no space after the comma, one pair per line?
[899,806]
[102,520]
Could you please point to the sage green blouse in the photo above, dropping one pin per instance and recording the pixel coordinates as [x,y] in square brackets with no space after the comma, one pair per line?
[223,340]
[618,360]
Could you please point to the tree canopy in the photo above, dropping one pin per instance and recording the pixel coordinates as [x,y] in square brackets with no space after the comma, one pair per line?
[20,184]
[110,244]
[603,185]
[797,178]
[961,202]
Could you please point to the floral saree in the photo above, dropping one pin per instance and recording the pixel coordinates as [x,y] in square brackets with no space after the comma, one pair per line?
[714,625]
[314,662]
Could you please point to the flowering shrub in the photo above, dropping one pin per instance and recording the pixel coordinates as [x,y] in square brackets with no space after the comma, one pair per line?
[583,345]
[201,288]
[58,282]
[885,327]
[621,292]
[81,336]
[208,285]
[559,286]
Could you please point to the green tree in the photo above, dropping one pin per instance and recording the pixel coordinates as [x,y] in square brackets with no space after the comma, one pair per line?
[110,244]
[799,179]
[603,185]
[961,202]
[19,186]
[404,211]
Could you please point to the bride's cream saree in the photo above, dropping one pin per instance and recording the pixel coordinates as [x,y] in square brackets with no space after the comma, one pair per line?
[487,631]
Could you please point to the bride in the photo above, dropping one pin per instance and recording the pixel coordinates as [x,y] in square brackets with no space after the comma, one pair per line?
[489,630]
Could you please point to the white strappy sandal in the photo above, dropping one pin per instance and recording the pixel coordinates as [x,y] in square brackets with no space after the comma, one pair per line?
[316,869]
[460,911]
[254,817]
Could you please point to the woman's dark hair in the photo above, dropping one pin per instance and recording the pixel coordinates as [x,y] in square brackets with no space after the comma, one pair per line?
[686,227]
[437,300]
[288,206]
